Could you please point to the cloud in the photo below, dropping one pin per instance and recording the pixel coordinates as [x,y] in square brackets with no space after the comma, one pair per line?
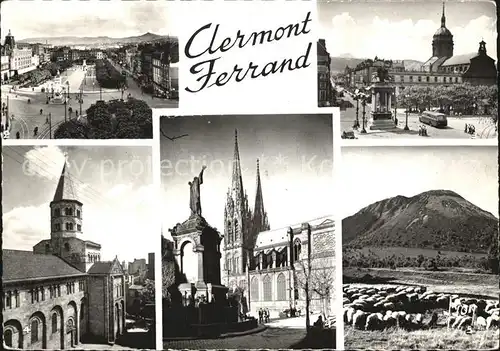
[23,227]
[44,162]
[403,39]
[125,224]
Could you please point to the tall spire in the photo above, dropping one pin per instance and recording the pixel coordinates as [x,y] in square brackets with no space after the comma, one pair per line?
[443,18]
[237,181]
[65,187]
[260,215]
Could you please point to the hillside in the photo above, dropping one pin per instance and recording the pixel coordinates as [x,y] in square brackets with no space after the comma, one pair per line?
[338,63]
[102,40]
[437,219]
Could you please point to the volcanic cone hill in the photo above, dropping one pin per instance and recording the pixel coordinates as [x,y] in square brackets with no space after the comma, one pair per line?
[437,219]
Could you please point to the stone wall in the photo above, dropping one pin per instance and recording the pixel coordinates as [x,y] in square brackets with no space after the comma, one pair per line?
[97,307]
[52,336]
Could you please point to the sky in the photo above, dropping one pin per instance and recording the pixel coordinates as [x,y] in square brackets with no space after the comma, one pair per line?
[296,159]
[113,183]
[376,173]
[404,30]
[117,19]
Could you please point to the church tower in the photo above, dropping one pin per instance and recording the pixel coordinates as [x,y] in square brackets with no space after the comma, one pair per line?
[442,41]
[9,44]
[65,218]
[259,221]
[237,221]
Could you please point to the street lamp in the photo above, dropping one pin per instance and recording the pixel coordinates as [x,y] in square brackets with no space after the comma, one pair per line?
[356,121]
[81,99]
[406,123]
[363,103]
[65,105]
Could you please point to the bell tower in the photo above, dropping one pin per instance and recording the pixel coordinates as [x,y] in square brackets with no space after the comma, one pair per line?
[65,213]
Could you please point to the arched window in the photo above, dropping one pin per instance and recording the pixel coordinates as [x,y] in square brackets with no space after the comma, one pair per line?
[34,331]
[236,230]
[229,232]
[54,323]
[71,226]
[66,246]
[254,289]
[78,213]
[88,258]
[57,212]
[297,247]
[281,287]
[268,288]
[7,337]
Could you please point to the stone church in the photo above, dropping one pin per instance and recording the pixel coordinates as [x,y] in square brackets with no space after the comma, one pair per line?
[61,293]
[271,265]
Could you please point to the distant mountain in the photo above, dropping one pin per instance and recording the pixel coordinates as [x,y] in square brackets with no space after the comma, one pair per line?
[102,40]
[437,219]
[339,63]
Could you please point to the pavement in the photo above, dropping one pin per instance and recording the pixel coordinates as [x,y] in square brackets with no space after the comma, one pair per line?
[485,128]
[279,334]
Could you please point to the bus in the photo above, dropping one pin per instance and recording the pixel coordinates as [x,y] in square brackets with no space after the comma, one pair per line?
[435,119]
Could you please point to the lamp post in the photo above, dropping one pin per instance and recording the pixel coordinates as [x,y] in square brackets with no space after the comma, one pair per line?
[363,103]
[65,102]
[81,99]
[395,108]
[406,122]
[356,121]
[50,125]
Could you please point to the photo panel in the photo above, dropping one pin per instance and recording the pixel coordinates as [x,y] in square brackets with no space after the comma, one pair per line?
[75,273]
[420,247]
[248,239]
[67,74]
[421,70]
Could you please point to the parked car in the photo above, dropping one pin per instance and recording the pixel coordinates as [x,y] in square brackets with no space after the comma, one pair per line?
[348,135]
[288,313]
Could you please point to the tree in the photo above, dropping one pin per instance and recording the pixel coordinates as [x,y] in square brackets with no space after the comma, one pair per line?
[315,275]
[99,120]
[72,129]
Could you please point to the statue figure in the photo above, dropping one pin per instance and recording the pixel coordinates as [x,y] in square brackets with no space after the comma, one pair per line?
[195,202]
[382,75]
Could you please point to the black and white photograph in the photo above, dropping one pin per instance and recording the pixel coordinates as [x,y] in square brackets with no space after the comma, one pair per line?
[86,70]
[78,247]
[420,247]
[413,70]
[248,239]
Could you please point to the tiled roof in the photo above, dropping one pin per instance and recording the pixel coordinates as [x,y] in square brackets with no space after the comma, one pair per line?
[459,59]
[101,267]
[65,188]
[25,265]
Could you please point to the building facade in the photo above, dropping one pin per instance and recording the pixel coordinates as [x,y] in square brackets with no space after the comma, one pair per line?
[442,68]
[325,88]
[269,264]
[61,293]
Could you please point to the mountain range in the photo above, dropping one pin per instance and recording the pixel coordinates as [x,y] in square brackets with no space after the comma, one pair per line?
[339,63]
[102,40]
[436,219]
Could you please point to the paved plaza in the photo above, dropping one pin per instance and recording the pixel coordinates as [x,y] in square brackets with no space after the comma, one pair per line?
[279,334]
[25,117]
[485,128]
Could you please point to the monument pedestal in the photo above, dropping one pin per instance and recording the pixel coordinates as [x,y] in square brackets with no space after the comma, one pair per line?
[381,121]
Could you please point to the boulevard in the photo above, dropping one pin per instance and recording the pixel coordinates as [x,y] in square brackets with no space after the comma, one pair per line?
[28,108]
[485,128]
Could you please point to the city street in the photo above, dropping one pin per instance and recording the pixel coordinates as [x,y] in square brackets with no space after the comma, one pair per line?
[27,115]
[135,90]
[485,128]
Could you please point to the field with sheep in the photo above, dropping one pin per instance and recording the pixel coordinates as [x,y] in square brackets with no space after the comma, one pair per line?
[453,282]
[414,317]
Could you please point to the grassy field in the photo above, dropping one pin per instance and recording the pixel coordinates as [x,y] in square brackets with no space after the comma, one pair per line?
[414,252]
[442,338]
[463,283]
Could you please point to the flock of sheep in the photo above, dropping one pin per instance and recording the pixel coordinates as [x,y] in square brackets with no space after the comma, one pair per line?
[413,308]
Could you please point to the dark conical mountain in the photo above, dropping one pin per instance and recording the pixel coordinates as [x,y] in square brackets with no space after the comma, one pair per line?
[436,219]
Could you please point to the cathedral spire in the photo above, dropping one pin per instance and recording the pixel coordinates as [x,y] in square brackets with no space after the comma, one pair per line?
[237,181]
[443,18]
[260,215]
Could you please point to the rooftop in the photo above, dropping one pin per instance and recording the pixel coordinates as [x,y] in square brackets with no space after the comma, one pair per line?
[25,265]
[459,59]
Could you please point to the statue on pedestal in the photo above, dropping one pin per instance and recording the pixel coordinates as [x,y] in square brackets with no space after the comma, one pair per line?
[194,201]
